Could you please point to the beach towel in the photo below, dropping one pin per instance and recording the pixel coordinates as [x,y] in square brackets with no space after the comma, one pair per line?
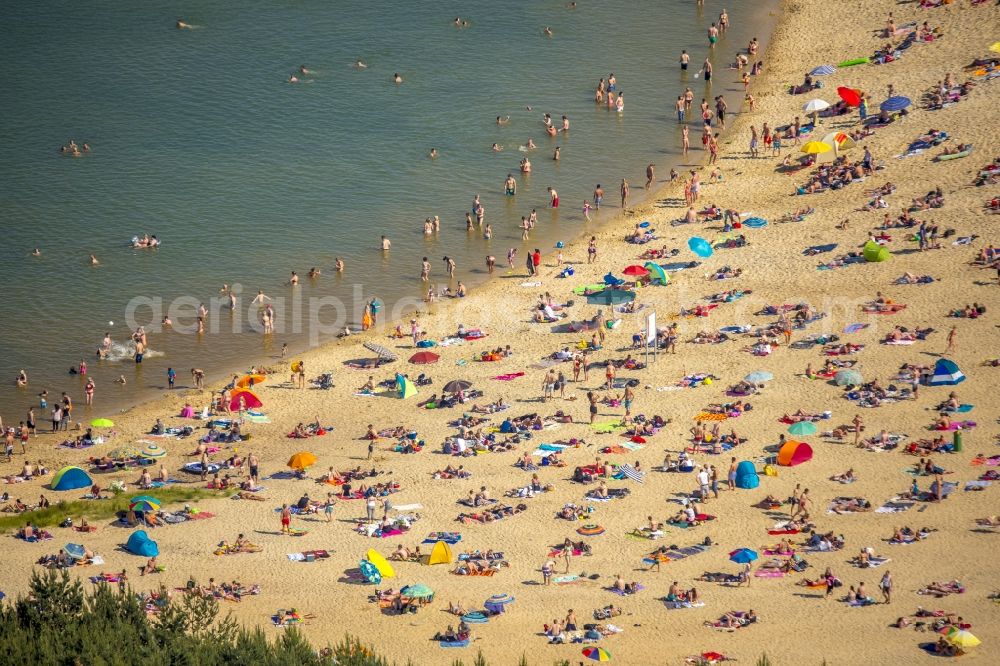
[454,644]
[768,573]
[621,593]
[509,377]
[895,505]
[673,605]
[976,485]
[407,507]
[450,538]
[854,328]
[862,602]
[566,580]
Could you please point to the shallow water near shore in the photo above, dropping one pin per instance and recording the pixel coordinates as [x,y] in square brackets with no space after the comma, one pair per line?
[199,138]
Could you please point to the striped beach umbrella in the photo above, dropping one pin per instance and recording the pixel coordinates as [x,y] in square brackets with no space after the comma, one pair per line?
[596,654]
[823,70]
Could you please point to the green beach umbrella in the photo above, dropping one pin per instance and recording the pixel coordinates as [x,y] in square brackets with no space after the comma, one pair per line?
[102,423]
[417,591]
[803,428]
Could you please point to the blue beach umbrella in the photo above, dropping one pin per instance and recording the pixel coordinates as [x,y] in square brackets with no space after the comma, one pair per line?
[823,70]
[895,103]
[848,377]
[755,223]
[742,556]
[700,246]
[75,550]
[370,572]
[946,373]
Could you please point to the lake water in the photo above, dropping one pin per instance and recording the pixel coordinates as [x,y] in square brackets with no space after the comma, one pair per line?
[198,137]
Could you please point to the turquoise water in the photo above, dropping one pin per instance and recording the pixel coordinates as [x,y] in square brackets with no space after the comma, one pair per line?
[199,138]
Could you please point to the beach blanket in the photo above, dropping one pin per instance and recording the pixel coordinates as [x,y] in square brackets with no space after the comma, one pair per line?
[508,377]
[895,505]
[673,605]
[450,538]
[566,580]
[621,593]
[308,556]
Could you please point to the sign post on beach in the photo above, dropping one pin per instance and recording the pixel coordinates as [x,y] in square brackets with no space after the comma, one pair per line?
[650,335]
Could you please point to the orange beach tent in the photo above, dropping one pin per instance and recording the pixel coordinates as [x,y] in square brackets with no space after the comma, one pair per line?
[794,453]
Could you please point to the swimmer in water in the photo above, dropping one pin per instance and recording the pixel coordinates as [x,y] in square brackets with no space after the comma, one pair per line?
[36,252]
[386,244]
[497,147]
[360,64]
[531,144]
[503,120]
[397,78]
[121,380]
[555,155]
[293,79]
[434,152]
[303,70]
[181,25]
[548,31]
[314,272]
[93,260]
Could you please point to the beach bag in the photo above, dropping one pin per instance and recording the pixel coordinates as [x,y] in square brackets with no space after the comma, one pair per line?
[769,470]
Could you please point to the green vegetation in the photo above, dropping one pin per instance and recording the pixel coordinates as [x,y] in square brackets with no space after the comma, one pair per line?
[102,509]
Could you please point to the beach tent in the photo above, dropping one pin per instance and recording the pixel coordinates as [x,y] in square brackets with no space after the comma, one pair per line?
[380,563]
[70,478]
[840,142]
[875,252]
[405,386]
[440,554]
[746,476]
[139,543]
[656,272]
[248,397]
[794,453]
[946,373]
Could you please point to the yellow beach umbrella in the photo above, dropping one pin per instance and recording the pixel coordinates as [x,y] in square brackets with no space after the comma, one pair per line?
[962,638]
[250,380]
[302,460]
[995,47]
[816,147]
[102,423]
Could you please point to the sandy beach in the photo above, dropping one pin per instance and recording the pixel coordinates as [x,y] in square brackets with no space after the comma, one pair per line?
[797,625]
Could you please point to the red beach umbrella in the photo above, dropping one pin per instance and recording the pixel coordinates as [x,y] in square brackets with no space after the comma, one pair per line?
[850,95]
[424,357]
[635,271]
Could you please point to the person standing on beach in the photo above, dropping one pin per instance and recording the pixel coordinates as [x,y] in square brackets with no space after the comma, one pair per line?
[425,270]
[511,254]
[530,265]
[171,377]
[713,36]
[649,175]
[685,140]
[592,400]
[286,519]
[952,335]
[592,250]
[720,111]
[598,196]
[753,141]
[886,586]
[707,69]
[680,107]
[713,148]
[624,192]
[731,476]
[491,262]
[684,60]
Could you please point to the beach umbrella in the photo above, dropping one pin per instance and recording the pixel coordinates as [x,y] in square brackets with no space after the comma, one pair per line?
[247,397]
[700,246]
[946,373]
[596,654]
[961,638]
[815,105]
[424,358]
[370,572]
[153,451]
[495,604]
[611,297]
[302,460]
[656,272]
[851,96]
[742,556]
[418,591]
[635,271]
[848,377]
[124,452]
[895,103]
[382,352]
[816,147]
[102,423]
[874,252]
[457,385]
[74,550]
[755,223]
[995,47]
[758,376]
[803,428]
[247,381]
[144,505]
[823,70]
[840,141]
[147,498]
